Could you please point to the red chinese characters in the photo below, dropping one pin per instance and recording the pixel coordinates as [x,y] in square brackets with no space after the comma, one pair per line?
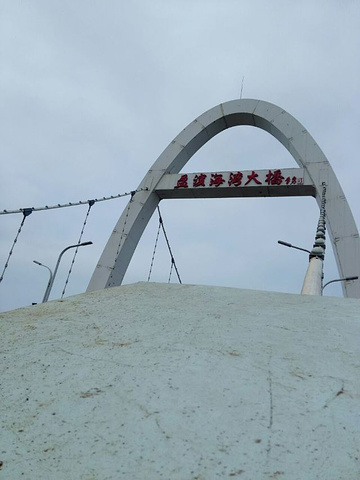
[274,178]
[235,179]
[182,182]
[294,181]
[216,180]
[199,180]
[253,177]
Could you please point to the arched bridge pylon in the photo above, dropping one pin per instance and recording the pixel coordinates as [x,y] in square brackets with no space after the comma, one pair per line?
[164,181]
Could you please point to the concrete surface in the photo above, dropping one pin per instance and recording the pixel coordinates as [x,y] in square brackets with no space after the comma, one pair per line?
[152,381]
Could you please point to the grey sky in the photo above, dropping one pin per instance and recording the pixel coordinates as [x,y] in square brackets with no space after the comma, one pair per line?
[91,92]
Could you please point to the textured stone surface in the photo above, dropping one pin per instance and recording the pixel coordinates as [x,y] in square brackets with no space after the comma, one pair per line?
[151,381]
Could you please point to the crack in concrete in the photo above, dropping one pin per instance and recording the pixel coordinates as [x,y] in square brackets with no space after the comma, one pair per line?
[155,413]
[337,394]
[271,408]
[167,436]
[96,359]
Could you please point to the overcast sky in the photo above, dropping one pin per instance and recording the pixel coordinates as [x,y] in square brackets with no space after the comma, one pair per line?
[91,93]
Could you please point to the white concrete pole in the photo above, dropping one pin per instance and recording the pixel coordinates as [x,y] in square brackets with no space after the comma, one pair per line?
[313,280]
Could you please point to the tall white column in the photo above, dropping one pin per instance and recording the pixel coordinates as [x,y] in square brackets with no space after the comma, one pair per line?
[313,278]
[313,281]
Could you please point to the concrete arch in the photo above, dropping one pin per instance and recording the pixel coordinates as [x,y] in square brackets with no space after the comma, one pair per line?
[289,132]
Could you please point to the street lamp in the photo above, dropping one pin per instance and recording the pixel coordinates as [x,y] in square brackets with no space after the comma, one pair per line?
[312,284]
[292,246]
[52,276]
[347,279]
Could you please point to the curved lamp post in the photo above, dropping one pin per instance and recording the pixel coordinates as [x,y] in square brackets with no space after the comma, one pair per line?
[286,244]
[50,278]
[53,275]
[347,279]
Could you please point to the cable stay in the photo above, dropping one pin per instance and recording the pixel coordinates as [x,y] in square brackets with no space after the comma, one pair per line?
[153,255]
[26,212]
[173,263]
[71,204]
[168,244]
[171,269]
[91,203]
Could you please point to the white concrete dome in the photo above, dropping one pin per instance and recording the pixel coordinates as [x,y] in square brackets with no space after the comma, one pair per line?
[151,381]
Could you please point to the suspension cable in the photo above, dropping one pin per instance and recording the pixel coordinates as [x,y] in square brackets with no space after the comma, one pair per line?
[171,269]
[153,255]
[26,212]
[91,203]
[123,229]
[168,244]
[71,204]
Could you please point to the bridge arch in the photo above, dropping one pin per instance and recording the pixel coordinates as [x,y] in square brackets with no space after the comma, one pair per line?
[341,226]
